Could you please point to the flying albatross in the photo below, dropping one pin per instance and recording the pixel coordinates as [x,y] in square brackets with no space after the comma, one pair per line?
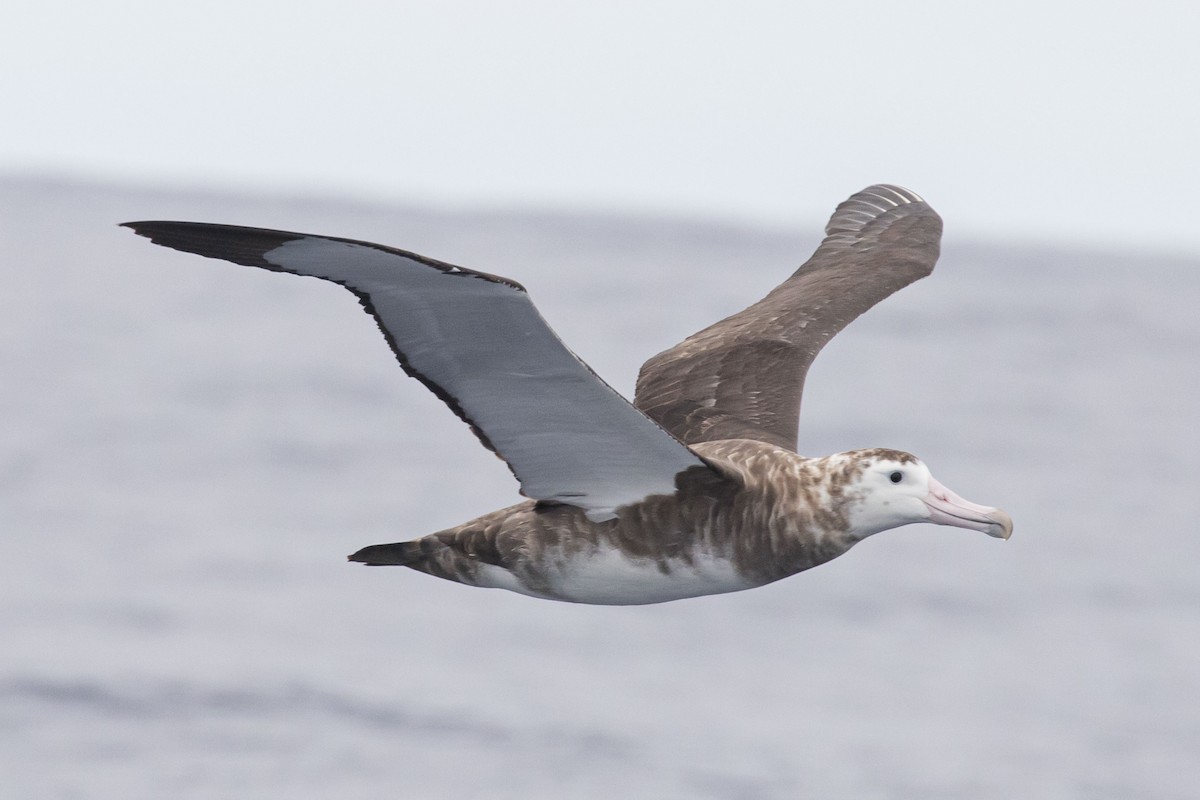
[694,488]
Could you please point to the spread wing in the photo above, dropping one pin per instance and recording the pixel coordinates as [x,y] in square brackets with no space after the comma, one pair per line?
[742,378]
[477,341]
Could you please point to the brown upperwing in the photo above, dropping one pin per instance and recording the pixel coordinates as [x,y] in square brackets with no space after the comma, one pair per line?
[743,377]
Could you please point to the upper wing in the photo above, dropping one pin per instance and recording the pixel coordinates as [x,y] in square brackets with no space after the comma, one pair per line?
[742,377]
[477,341]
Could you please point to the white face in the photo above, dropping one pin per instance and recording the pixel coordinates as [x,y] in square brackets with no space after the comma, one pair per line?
[899,491]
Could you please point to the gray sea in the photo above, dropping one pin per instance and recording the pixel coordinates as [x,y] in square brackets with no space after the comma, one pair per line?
[190,448]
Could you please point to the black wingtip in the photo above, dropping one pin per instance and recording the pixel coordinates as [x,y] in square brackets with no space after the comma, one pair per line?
[149,229]
[241,245]
[146,227]
[399,554]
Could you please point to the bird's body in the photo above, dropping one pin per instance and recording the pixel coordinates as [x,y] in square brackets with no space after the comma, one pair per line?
[696,487]
[776,514]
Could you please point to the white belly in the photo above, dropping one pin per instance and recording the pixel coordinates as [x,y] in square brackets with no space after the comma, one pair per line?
[609,577]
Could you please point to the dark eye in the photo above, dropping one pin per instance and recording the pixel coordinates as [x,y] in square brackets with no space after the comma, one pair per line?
[896,476]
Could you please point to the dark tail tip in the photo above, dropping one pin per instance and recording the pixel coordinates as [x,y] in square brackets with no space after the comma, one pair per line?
[378,555]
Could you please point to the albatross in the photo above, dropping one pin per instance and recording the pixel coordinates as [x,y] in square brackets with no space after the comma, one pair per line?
[694,488]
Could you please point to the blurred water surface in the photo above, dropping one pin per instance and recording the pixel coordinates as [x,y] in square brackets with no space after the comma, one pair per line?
[190,448]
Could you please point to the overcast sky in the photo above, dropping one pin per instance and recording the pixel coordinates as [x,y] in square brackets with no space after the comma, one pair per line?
[1026,121]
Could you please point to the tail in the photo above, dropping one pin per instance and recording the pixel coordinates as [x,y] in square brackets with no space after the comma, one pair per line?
[401,554]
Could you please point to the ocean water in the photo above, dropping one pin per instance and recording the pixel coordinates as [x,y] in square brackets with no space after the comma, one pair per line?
[190,448]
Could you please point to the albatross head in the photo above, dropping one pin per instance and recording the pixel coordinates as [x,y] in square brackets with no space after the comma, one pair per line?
[890,488]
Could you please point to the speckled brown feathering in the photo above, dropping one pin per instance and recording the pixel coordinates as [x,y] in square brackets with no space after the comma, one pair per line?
[764,519]
[774,514]
[713,498]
